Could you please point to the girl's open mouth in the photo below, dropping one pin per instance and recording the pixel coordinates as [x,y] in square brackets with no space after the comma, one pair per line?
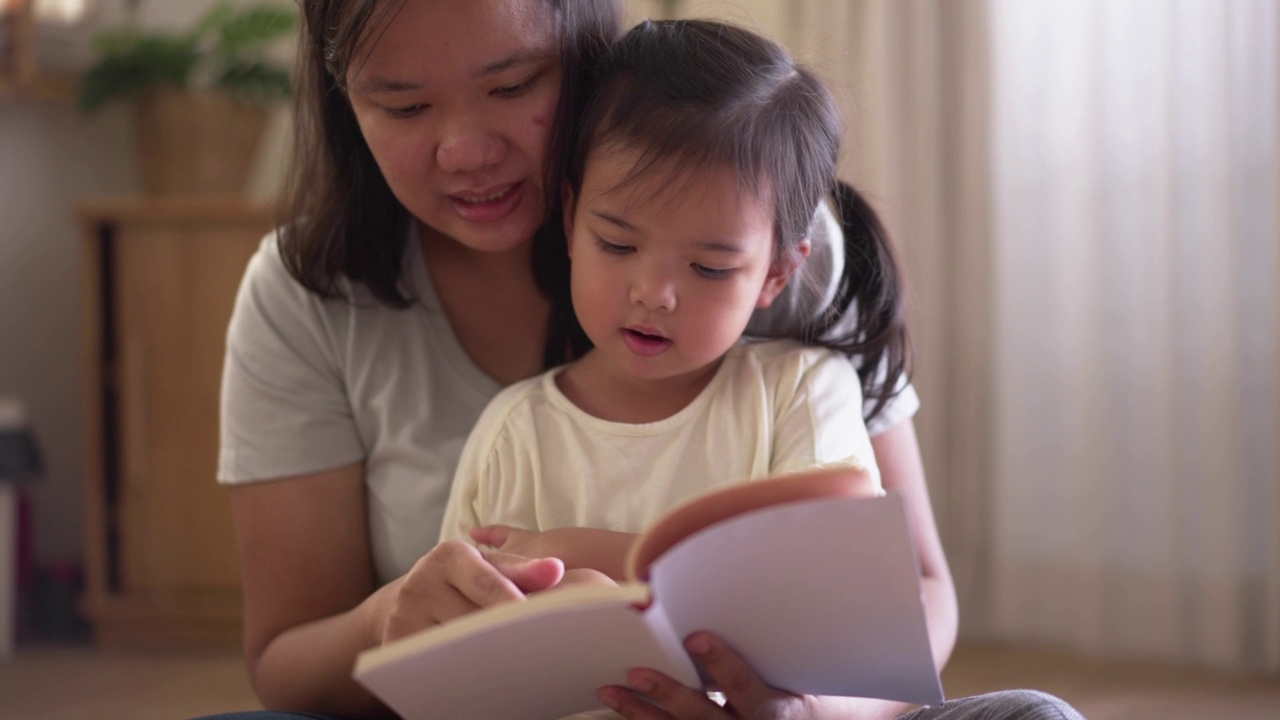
[644,344]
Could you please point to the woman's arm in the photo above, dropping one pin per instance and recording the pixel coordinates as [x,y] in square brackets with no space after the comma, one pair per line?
[308,577]
[902,471]
[311,602]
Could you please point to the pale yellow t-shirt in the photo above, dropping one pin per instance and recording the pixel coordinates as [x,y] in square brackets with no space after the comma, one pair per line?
[537,461]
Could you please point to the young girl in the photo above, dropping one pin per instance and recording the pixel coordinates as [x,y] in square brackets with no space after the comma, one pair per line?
[704,154]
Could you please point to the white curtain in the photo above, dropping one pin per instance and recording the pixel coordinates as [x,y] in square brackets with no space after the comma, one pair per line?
[1086,195]
[1136,477]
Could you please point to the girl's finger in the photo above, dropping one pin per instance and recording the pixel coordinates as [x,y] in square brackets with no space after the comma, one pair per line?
[491,535]
[676,699]
[742,687]
[629,705]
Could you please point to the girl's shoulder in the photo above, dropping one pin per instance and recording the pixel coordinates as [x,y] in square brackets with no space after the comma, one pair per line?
[785,367]
[782,353]
[516,404]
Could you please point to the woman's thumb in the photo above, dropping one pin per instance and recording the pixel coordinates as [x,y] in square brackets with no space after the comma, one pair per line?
[530,575]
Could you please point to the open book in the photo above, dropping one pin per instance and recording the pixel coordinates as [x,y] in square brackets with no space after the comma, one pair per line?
[813,583]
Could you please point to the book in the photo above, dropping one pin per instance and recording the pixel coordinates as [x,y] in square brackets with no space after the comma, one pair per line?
[813,582]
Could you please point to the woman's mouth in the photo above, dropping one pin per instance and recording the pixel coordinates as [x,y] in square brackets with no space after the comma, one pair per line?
[645,344]
[490,205]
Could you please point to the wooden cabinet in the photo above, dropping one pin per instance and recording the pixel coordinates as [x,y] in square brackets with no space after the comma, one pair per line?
[159,281]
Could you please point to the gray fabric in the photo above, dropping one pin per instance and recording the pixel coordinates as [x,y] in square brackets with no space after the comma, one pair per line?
[1003,705]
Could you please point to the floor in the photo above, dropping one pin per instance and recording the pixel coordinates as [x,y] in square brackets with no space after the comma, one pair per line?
[66,683]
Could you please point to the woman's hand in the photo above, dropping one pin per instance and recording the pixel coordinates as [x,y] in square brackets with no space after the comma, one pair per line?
[455,579]
[604,551]
[746,695]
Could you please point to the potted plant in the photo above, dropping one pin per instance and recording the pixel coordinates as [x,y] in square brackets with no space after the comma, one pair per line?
[201,95]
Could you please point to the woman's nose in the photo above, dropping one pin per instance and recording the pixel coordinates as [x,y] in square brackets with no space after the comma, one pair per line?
[466,147]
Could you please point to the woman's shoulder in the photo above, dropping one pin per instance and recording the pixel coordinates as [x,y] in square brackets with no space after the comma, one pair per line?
[270,279]
[268,273]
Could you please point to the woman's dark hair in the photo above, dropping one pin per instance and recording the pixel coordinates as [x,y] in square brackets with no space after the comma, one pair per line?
[694,93]
[339,216]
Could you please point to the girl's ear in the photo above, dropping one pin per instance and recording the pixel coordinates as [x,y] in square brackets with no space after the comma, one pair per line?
[568,206]
[780,272]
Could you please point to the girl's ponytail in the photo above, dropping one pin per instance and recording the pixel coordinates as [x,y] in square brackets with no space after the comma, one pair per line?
[870,289]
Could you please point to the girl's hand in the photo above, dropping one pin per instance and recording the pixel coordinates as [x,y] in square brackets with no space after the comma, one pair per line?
[455,579]
[580,548]
[507,539]
[745,693]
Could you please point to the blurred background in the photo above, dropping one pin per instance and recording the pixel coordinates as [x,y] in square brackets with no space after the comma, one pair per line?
[1086,195]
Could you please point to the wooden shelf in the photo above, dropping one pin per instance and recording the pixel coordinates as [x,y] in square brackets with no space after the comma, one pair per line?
[162,209]
[159,280]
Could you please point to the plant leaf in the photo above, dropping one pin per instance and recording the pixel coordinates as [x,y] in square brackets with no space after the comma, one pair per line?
[216,18]
[148,62]
[255,81]
[253,27]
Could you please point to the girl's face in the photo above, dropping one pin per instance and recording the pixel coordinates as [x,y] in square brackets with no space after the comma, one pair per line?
[666,271]
[455,99]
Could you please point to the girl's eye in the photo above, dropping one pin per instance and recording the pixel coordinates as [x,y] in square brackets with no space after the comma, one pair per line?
[613,249]
[712,273]
[513,91]
[406,111]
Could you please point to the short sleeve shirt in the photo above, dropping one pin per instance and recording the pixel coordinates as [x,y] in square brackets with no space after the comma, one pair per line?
[311,384]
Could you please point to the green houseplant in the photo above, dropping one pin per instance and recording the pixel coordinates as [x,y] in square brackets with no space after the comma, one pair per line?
[201,95]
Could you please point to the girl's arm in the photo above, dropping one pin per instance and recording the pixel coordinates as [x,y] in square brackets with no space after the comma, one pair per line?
[580,548]
[311,603]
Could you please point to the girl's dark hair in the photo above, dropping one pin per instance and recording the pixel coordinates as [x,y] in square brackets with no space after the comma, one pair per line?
[339,216]
[694,93]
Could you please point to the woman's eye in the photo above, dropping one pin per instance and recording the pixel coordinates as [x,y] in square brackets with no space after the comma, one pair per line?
[511,91]
[404,111]
[712,273]
[609,247]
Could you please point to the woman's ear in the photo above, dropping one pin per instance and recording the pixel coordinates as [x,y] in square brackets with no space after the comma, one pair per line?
[567,204]
[780,272]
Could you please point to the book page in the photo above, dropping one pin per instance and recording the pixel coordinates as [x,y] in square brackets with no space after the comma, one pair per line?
[820,597]
[542,658]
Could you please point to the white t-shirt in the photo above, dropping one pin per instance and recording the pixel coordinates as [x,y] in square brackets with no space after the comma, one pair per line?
[311,384]
[538,462]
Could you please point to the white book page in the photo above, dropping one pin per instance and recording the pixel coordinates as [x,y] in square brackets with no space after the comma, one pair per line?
[536,660]
[820,597]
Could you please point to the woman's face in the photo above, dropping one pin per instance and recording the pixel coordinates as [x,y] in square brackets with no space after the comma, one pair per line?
[456,99]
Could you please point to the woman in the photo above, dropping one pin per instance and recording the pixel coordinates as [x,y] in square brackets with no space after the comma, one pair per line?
[397,300]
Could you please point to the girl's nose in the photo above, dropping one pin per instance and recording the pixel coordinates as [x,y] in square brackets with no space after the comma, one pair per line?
[468,148]
[654,292]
